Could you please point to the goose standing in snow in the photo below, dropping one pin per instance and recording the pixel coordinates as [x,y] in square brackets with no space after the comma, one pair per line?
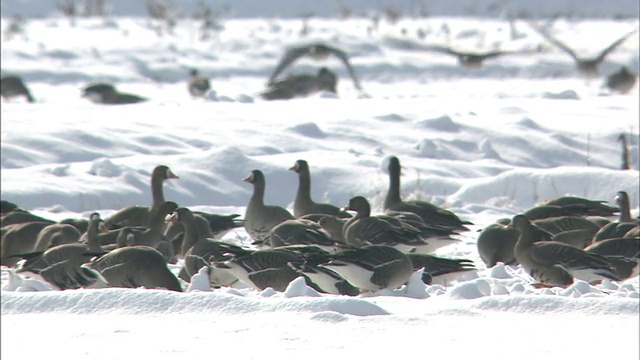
[259,218]
[553,263]
[303,204]
[136,215]
[431,214]
[61,265]
[625,224]
[372,268]
[364,229]
[103,93]
[133,267]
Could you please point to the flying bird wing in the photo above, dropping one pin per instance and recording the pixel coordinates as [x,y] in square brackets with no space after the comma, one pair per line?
[345,60]
[614,45]
[553,40]
[290,56]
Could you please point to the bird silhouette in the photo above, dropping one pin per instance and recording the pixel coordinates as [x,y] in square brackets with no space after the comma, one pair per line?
[317,51]
[587,66]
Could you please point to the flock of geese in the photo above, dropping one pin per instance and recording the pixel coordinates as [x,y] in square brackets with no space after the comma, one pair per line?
[302,85]
[336,250]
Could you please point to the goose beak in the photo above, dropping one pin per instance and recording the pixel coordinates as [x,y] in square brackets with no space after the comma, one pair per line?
[171,175]
[248,179]
[102,228]
[294,167]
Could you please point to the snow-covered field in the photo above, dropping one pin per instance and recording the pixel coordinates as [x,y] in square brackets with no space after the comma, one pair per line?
[486,144]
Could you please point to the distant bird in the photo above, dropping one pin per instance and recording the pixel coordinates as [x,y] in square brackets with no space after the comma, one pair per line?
[303,204]
[626,162]
[586,66]
[13,86]
[199,85]
[317,51]
[103,93]
[466,59]
[621,81]
[294,86]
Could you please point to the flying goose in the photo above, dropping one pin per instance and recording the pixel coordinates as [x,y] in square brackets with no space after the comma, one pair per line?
[103,93]
[133,267]
[553,263]
[625,222]
[317,51]
[372,267]
[586,66]
[431,214]
[294,86]
[303,204]
[259,218]
[364,229]
[61,265]
[621,81]
[13,86]
[198,85]
[140,215]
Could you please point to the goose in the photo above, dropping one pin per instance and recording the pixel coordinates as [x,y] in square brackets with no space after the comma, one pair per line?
[202,251]
[553,263]
[623,254]
[317,51]
[302,85]
[13,86]
[430,214]
[364,229]
[495,244]
[259,218]
[626,161]
[625,222]
[61,265]
[153,235]
[573,230]
[466,59]
[301,232]
[198,85]
[56,234]
[303,204]
[264,268]
[621,81]
[438,270]
[20,216]
[586,66]
[7,207]
[103,93]
[141,215]
[19,239]
[210,225]
[579,206]
[133,267]
[320,278]
[372,267]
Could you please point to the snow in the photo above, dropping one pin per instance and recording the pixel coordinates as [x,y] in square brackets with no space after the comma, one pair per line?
[485,144]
